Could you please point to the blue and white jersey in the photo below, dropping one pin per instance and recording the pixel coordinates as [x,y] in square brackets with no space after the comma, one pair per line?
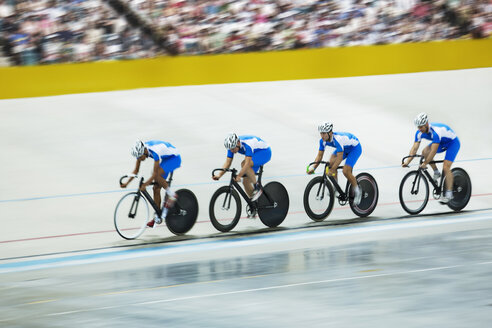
[341,141]
[249,144]
[160,150]
[438,133]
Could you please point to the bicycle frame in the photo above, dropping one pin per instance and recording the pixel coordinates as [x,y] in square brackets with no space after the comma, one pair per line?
[437,187]
[145,193]
[234,184]
[342,196]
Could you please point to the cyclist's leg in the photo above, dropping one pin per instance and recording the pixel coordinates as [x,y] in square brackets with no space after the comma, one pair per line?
[333,157]
[249,180]
[168,165]
[260,157]
[451,152]
[157,193]
[351,159]
[160,182]
[426,152]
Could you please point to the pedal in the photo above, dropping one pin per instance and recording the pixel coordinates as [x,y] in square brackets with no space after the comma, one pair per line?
[251,212]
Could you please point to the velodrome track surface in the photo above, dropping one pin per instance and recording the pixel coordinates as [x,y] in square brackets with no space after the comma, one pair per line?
[62,158]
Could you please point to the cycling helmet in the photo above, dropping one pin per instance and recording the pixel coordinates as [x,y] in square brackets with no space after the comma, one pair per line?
[325,127]
[138,149]
[421,120]
[230,142]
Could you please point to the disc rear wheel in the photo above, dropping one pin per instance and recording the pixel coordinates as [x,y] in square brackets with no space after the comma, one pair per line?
[462,189]
[182,217]
[370,195]
[273,204]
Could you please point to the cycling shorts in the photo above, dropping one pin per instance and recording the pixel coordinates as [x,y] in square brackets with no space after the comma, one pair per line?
[261,157]
[352,155]
[451,149]
[169,164]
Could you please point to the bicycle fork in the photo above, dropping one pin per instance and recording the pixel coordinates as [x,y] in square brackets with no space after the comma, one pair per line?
[321,189]
[227,201]
[134,207]
[415,190]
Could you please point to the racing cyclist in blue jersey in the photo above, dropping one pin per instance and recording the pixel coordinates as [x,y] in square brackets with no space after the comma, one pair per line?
[443,139]
[256,152]
[166,159]
[347,147]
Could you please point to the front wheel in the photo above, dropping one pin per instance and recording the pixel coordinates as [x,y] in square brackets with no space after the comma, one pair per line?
[131,215]
[414,192]
[273,204]
[462,189]
[318,199]
[370,195]
[182,217]
[225,209]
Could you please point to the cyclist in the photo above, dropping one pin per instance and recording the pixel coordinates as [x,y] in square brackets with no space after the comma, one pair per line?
[166,159]
[347,146]
[443,140]
[256,152]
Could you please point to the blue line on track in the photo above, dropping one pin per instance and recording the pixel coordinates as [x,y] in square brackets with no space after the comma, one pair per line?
[201,183]
[214,244]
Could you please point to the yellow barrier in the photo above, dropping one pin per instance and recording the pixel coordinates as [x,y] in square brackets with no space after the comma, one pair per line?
[46,80]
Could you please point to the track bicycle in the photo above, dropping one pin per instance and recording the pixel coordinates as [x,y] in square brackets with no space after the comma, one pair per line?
[414,188]
[132,211]
[319,195]
[225,205]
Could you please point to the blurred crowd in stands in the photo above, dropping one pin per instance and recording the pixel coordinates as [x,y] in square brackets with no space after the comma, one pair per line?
[224,26]
[60,31]
[56,31]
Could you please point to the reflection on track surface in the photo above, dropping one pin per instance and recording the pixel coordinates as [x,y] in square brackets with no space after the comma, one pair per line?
[441,279]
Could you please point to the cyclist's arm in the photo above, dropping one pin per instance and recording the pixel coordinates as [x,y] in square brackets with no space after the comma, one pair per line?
[153,176]
[226,165]
[318,159]
[432,153]
[135,171]
[413,151]
[436,140]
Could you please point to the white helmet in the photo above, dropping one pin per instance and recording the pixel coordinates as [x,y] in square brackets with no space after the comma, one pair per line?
[138,149]
[421,120]
[230,142]
[325,127]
